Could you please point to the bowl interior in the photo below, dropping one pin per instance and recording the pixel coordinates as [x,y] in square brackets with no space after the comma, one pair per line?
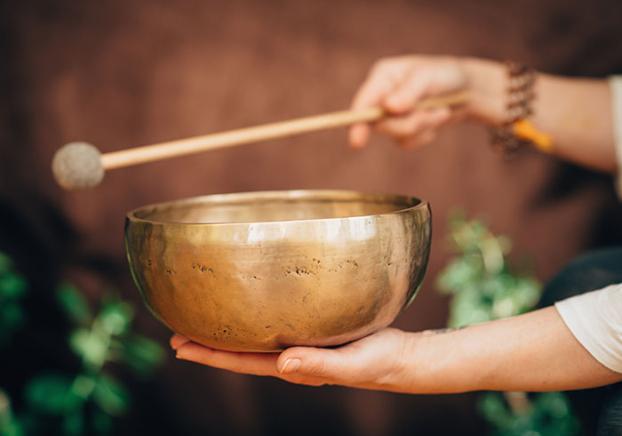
[273,206]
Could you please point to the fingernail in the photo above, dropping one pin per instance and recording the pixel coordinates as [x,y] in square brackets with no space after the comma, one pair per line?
[290,365]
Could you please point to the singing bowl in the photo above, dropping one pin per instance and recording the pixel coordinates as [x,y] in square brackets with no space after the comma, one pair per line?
[263,271]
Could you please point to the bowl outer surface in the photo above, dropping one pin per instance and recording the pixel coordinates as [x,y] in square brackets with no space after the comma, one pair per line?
[266,286]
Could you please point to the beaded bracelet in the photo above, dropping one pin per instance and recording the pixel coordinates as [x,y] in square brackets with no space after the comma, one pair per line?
[516,131]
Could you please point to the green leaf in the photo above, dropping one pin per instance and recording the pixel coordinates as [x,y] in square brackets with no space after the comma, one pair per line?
[13,428]
[460,272]
[83,386]
[111,396]
[102,423]
[548,415]
[11,319]
[492,254]
[90,346]
[73,423]
[141,354]
[527,293]
[115,317]
[493,408]
[468,308]
[73,304]
[29,424]
[554,403]
[51,394]
[12,286]
[9,425]
[5,263]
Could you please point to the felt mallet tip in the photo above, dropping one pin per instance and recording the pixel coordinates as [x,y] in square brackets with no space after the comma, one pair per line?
[78,165]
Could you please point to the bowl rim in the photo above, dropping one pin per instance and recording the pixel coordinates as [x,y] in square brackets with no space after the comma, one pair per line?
[339,194]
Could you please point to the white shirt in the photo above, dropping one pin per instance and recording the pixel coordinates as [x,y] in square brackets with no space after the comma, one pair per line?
[615,83]
[595,318]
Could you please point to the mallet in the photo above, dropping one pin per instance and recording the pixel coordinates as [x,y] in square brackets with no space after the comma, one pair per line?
[80,165]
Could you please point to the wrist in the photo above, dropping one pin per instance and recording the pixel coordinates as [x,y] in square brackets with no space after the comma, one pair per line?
[436,362]
[486,83]
[419,371]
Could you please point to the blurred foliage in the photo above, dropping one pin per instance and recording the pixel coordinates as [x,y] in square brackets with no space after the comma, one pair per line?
[9,426]
[547,414]
[479,278]
[484,287]
[79,403]
[12,291]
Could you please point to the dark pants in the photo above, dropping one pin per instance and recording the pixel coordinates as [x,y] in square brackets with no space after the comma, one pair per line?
[600,410]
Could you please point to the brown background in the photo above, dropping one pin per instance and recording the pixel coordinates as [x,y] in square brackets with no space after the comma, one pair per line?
[121,73]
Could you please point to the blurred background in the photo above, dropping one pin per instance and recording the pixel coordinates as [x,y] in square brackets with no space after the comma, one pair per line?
[121,74]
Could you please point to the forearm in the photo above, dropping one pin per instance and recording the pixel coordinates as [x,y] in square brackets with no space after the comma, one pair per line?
[532,352]
[576,113]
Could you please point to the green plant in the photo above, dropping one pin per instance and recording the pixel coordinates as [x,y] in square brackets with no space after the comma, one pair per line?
[86,401]
[480,280]
[9,426]
[545,414]
[484,287]
[12,291]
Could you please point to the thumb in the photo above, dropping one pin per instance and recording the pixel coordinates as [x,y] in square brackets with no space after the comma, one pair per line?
[316,362]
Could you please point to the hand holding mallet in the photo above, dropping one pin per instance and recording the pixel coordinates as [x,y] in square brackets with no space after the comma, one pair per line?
[80,165]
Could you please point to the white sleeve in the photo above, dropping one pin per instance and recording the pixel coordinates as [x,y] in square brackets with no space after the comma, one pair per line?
[595,319]
[615,82]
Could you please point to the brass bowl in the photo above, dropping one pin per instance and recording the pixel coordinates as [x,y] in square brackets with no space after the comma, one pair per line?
[262,271]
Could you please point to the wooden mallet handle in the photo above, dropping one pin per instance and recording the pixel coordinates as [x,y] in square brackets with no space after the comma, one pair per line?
[197,144]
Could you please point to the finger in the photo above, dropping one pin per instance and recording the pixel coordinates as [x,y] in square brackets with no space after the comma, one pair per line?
[244,363]
[314,363]
[358,136]
[380,82]
[418,140]
[177,341]
[414,123]
[404,96]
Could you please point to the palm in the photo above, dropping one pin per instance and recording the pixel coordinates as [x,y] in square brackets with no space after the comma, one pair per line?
[371,362]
